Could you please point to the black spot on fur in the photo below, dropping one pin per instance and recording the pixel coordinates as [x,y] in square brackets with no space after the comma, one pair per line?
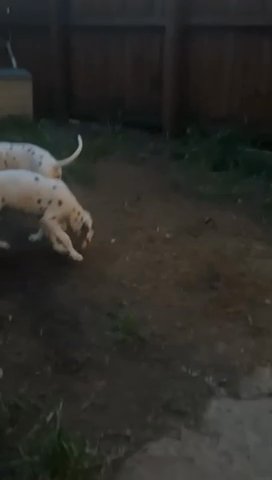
[58,240]
[60,203]
[49,202]
[37,179]
[53,218]
[39,201]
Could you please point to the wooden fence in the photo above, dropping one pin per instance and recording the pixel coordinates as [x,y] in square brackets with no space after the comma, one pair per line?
[152,62]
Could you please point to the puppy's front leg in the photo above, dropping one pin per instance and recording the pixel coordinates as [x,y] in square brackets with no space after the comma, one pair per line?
[61,242]
[37,237]
[4,245]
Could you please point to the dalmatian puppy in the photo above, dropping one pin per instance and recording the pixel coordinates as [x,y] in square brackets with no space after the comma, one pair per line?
[53,203]
[26,156]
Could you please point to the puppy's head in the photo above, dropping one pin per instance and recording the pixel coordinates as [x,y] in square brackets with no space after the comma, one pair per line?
[81,223]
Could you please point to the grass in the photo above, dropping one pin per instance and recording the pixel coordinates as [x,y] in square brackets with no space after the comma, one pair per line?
[226,165]
[223,151]
[235,151]
[125,328]
[46,452]
[96,147]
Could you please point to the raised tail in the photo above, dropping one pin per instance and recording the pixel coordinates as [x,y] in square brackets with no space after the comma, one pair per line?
[72,158]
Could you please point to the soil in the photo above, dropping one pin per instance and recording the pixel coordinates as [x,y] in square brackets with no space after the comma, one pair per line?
[194,277]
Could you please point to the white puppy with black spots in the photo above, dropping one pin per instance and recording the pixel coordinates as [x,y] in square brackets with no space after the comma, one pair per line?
[54,204]
[26,156]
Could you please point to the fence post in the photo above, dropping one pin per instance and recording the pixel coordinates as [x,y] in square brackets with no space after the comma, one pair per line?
[170,95]
[58,9]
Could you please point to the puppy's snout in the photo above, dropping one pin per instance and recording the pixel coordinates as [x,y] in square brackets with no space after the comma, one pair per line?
[84,230]
[88,238]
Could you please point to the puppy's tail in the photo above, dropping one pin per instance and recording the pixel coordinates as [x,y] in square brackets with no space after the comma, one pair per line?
[72,158]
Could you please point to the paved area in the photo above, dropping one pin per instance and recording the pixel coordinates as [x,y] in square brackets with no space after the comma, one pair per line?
[234,442]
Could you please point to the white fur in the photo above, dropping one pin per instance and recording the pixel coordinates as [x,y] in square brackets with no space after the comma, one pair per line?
[26,156]
[53,202]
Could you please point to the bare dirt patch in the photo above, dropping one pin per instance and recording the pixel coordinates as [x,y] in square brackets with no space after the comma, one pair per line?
[172,303]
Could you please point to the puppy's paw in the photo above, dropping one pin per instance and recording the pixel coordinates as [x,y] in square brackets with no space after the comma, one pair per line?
[34,237]
[77,257]
[4,245]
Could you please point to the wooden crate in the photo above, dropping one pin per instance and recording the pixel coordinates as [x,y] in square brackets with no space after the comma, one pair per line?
[16,93]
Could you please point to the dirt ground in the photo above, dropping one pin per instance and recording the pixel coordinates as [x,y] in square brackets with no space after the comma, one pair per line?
[171,304]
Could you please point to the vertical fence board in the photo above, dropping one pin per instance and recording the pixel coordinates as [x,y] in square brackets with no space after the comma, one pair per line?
[57,11]
[170,70]
[147,60]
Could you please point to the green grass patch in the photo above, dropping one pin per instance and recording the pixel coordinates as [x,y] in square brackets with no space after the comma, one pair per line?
[47,451]
[224,151]
[225,164]
[126,329]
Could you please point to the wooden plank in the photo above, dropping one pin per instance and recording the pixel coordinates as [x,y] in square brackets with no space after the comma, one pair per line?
[224,84]
[227,20]
[118,22]
[170,67]
[116,76]
[210,20]
[88,22]
[205,20]
[57,8]
[113,8]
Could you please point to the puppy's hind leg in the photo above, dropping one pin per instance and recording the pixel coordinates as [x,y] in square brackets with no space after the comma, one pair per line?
[61,242]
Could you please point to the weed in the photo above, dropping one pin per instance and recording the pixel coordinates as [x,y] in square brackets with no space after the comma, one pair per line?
[216,152]
[224,151]
[126,329]
[49,452]
[223,165]
[95,148]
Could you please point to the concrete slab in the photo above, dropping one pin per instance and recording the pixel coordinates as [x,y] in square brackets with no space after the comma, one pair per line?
[235,443]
